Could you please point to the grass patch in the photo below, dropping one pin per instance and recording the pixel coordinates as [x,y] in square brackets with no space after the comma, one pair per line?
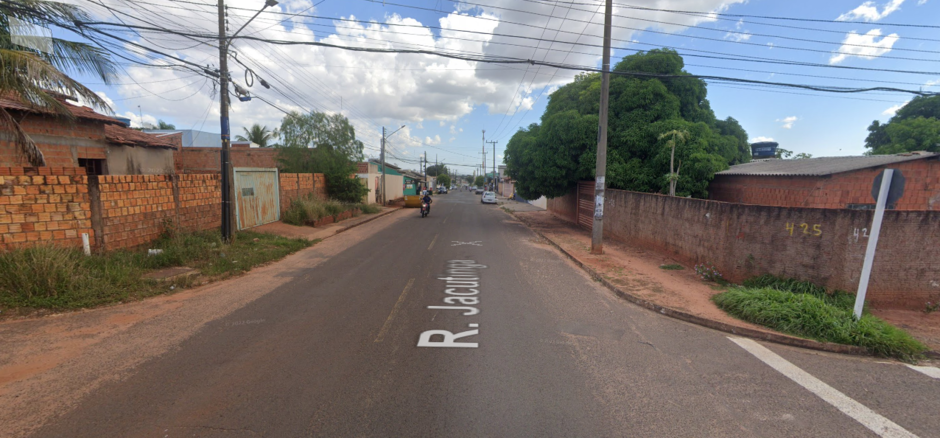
[309,209]
[50,277]
[370,208]
[807,315]
[838,298]
[672,267]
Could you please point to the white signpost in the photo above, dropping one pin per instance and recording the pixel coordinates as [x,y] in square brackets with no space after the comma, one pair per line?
[872,242]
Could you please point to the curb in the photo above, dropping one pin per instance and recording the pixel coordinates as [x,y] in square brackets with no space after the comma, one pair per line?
[378,215]
[705,322]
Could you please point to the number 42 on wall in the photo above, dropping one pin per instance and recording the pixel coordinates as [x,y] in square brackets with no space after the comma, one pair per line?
[816,230]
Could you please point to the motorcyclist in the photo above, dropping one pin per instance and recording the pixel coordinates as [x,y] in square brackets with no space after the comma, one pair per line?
[427,200]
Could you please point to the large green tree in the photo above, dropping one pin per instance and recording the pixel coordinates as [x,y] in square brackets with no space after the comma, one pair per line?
[436,169]
[915,127]
[29,71]
[321,143]
[549,158]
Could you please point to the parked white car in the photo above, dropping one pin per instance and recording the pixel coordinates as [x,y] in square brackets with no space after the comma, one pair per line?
[488,198]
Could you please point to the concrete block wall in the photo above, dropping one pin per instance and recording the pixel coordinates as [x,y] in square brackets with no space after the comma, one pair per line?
[825,246]
[43,205]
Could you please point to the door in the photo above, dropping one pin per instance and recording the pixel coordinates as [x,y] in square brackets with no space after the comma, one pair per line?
[257,197]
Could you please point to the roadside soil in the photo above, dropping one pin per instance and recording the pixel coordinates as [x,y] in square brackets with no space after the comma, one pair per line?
[48,364]
[637,272]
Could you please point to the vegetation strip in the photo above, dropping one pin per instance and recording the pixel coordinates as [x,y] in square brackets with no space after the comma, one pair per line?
[51,277]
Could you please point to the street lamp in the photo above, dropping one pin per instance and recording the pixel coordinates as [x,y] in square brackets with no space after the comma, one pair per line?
[226,129]
[384,200]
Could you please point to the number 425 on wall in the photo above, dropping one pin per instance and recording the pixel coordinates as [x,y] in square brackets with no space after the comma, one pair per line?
[815,231]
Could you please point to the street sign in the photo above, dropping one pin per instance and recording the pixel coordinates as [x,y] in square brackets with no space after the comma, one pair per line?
[895,192]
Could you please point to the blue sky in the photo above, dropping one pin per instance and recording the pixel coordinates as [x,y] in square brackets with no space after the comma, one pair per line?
[446,103]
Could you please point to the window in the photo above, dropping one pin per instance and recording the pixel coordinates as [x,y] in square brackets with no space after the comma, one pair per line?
[93,167]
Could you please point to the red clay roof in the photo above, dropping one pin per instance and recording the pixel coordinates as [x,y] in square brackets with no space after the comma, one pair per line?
[80,112]
[132,137]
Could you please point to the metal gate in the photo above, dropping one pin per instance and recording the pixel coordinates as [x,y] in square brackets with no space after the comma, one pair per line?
[257,197]
[586,204]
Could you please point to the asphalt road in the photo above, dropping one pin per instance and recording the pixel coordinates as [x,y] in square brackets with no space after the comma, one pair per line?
[334,353]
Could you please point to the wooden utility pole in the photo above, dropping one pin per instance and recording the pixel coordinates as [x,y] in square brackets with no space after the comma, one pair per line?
[597,231]
[226,129]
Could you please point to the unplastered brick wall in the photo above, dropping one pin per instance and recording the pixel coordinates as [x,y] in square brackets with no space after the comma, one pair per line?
[60,140]
[207,160]
[825,246]
[135,209]
[298,185]
[921,188]
[43,205]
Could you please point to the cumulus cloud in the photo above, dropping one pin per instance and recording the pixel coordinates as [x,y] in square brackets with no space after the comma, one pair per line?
[375,89]
[737,34]
[932,83]
[760,139]
[433,141]
[868,11]
[894,109]
[788,122]
[874,48]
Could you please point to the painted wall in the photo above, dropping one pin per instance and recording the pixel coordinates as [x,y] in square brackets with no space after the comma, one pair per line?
[825,246]
[128,160]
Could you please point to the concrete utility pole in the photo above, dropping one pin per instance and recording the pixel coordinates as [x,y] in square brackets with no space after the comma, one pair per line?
[226,130]
[383,166]
[597,231]
[484,158]
[494,163]
[225,156]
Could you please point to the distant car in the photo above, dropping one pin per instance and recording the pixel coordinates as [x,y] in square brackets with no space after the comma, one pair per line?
[442,191]
[488,198]
[478,190]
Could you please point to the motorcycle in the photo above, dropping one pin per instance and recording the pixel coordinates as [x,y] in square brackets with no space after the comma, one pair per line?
[424,209]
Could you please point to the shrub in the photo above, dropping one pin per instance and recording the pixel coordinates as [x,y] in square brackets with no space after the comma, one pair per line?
[369,208]
[838,298]
[806,315]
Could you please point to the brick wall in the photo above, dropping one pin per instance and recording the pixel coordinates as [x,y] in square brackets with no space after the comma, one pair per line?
[61,142]
[45,204]
[297,185]
[825,246]
[200,202]
[921,192]
[134,208]
[207,160]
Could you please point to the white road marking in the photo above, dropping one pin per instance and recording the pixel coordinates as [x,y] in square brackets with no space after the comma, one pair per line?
[869,418]
[930,371]
[474,243]
[432,242]
[391,316]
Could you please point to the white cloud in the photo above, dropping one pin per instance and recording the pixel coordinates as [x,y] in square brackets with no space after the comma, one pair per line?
[868,11]
[852,42]
[920,2]
[738,36]
[453,129]
[770,45]
[932,83]
[759,139]
[788,121]
[894,109]
[378,88]
[433,141]
[451,140]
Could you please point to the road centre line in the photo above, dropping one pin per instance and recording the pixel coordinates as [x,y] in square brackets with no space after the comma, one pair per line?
[930,371]
[432,242]
[869,418]
[391,316]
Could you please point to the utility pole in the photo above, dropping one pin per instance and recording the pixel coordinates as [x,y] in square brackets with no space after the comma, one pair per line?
[228,189]
[494,163]
[484,158]
[383,166]
[597,231]
[226,130]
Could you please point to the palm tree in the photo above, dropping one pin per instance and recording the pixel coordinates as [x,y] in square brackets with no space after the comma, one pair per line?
[164,125]
[35,78]
[676,137]
[259,135]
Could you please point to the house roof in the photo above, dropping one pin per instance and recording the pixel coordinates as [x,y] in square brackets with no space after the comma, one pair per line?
[821,166]
[80,112]
[132,137]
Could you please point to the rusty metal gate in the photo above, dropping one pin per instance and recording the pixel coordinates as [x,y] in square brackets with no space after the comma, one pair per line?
[586,204]
[257,197]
